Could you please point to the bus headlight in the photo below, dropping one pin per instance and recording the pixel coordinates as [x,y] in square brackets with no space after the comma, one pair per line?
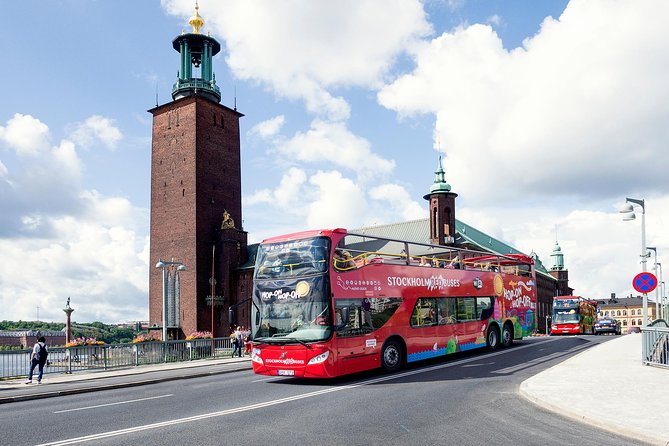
[255,356]
[318,359]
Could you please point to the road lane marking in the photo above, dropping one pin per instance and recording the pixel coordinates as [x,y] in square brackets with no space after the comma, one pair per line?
[114,404]
[542,359]
[271,378]
[289,399]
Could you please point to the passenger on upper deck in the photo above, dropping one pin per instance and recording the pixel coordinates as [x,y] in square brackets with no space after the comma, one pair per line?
[424,262]
[455,263]
[343,260]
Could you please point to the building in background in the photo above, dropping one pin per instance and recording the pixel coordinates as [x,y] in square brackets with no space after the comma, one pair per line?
[627,310]
[28,338]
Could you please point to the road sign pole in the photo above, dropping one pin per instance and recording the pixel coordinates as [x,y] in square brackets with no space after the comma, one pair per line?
[644,256]
[644,283]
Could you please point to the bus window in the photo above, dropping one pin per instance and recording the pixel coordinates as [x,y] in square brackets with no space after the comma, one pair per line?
[466,309]
[446,311]
[356,317]
[484,307]
[424,313]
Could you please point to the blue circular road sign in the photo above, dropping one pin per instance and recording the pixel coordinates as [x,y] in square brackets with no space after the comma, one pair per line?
[644,282]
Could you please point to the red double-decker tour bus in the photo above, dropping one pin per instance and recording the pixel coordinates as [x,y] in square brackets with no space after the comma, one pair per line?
[329,302]
[573,315]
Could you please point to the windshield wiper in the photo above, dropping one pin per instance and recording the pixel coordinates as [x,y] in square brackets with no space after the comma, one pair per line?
[302,342]
[281,339]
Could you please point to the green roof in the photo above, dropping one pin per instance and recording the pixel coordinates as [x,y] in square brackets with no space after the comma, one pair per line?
[417,231]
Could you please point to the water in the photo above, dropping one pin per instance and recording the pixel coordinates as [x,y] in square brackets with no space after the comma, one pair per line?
[15,363]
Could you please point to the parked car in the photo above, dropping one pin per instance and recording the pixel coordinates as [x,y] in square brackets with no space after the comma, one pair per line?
[635,329]
[607,325]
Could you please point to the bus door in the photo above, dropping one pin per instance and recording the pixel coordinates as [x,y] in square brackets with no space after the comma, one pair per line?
[469,327]
[447,320]
[357,347]
[424,341]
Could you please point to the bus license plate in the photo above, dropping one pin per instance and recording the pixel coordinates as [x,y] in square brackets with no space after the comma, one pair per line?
[286,372]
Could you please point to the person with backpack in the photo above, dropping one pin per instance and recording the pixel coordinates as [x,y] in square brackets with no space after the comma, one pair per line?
[38,358]
[239,342]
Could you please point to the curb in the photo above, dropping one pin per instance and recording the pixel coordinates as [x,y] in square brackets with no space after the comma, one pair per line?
[35,396]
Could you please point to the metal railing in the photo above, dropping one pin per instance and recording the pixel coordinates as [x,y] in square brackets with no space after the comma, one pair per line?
[16,363]
[655,344]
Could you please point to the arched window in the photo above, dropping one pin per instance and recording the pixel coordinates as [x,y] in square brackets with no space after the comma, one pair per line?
[618,313]
[633,322]
[606,313]
[639,322]
[624,312]
[625,322]
[638,312]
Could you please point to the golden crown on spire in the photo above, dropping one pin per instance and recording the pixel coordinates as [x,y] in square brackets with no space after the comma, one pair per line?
[196,21]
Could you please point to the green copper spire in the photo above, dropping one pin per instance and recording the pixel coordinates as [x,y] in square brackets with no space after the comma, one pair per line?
[557,258]
[197,52]
[440,185]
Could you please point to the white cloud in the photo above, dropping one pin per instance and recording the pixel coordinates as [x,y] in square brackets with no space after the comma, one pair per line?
[333,143]
[97,128]
[576,111]
[65,156]
[26,135]
[338,201]
[269,128]
[397,203]
[286,195]
[302,48]
[495,20]
[64,240]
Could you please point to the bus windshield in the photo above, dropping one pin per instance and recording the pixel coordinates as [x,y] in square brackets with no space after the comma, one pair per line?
[295,310]
[291,292]
[566,317]
[293,258]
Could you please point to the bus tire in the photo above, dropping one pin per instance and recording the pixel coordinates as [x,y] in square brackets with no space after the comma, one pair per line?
[492,338]
[507,335]
[391,356]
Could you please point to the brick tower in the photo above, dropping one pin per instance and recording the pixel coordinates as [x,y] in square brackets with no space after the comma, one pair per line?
[442,209]
[195,196]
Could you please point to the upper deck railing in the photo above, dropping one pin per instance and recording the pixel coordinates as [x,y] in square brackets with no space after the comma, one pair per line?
[358,250]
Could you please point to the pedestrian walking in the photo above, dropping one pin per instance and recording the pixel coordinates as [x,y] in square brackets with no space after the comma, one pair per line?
[38,359]
[236,342]
[239,337]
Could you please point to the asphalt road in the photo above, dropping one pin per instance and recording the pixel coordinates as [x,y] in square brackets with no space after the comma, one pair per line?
[468,399]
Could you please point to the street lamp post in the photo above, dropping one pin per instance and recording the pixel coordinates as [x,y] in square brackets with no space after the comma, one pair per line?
[628,211]
[664,299]
[164,265]
[547,325]
[657,288]
[658,294]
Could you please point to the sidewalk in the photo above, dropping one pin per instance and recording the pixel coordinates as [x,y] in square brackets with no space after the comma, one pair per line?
[607,386]
[81,382]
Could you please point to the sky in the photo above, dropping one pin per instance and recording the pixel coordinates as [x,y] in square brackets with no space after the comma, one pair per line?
[548,115]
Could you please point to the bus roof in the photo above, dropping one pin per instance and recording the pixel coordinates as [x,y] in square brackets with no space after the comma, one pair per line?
[303,235]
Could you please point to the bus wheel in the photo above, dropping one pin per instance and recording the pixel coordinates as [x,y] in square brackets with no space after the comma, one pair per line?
[391,356]
[507,336]
[492,338]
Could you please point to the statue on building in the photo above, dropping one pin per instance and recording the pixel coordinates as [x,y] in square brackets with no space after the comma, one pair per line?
[228,222]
